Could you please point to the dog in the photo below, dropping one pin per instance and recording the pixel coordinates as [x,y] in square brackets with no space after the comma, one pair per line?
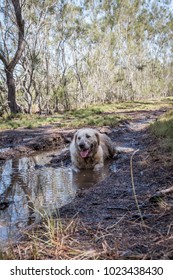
[89,149]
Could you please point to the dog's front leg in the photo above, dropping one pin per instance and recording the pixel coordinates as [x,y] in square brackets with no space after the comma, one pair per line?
[98,166]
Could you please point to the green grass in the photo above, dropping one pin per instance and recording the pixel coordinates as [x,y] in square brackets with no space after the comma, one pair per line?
[27,121]
[77,118]
[163,128]
[95,115]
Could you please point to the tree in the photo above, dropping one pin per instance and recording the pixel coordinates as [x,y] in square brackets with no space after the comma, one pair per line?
[10,64]
[83,52]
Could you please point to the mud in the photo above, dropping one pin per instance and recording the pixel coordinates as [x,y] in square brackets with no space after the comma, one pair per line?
[27,142]
[108,210]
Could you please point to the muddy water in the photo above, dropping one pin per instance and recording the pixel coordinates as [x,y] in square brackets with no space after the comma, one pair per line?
[30,189]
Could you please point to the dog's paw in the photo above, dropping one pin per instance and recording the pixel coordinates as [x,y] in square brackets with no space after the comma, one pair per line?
[98,166]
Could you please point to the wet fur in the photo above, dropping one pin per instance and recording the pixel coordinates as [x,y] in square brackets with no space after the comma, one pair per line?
[100,145]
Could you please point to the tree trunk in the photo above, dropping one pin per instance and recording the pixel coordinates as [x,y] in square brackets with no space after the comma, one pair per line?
[14,108]
[10,66]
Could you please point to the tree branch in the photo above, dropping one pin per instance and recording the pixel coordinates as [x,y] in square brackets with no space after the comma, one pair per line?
[3,59]
[21,41]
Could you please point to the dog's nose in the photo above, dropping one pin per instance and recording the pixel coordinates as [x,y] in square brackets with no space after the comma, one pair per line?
[81,145]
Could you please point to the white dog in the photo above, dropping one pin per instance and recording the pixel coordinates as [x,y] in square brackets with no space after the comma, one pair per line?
[89,149]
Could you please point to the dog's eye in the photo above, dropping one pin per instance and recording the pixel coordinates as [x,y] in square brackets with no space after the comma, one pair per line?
[79,138]
[88,136]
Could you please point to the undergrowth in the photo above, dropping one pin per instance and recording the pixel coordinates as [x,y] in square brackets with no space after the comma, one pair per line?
[163,129]
[94,115]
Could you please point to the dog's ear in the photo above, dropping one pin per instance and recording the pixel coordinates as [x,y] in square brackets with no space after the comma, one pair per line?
[98,137]
[75,136]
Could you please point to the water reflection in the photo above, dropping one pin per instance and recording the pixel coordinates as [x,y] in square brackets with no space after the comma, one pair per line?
[26,192]
[3,150]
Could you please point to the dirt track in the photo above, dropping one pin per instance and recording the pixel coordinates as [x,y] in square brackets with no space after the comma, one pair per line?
[108,211]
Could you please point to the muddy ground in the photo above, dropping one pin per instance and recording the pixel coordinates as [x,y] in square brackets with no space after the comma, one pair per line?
[112,219]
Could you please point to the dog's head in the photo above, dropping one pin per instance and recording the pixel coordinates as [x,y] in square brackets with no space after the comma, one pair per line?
[87,141]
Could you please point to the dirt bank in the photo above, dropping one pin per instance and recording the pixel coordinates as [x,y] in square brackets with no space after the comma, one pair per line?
[26,142]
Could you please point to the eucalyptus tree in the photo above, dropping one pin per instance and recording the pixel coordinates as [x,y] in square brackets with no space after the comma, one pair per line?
[131,50]
[74,53]
[12,45]
[33,77]
[49,64]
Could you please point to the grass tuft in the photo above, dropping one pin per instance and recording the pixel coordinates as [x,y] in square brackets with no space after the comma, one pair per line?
[163,128]
[54,239]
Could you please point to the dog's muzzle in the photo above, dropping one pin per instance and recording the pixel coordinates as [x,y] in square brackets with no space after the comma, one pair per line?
[84,151]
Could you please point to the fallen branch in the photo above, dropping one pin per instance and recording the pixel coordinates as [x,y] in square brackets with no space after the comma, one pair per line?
[167,191]
[161,193]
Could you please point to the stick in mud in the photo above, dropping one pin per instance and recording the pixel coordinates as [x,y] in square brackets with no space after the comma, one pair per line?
[133,185]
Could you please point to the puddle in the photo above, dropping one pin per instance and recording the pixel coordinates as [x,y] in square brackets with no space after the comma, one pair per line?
[3,150]
[27,192]
[140,124]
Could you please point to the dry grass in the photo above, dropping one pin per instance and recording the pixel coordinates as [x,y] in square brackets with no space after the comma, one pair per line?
[72,239]
[56,240]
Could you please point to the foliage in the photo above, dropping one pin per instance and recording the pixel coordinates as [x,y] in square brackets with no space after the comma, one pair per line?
[163,129]
[87,52]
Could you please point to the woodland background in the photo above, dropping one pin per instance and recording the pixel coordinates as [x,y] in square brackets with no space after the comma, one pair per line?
[62,55]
